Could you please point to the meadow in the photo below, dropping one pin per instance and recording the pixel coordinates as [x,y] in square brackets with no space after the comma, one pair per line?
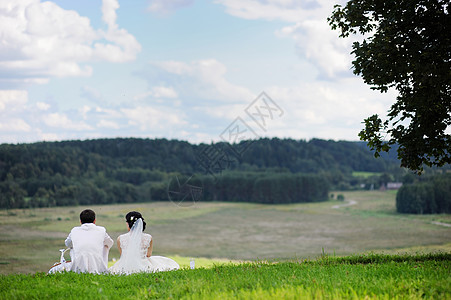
[373,276]
[215,232]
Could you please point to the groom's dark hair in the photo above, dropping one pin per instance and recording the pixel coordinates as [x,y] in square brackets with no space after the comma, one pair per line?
[87,216]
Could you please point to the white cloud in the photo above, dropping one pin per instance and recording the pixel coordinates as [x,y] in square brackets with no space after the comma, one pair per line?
[226,111]
[84,111]
[323,108]
[108,124]
[166,7]
[12,100]
[174,67]
[20,122]
[158,92]
[321,46]
[43,106]
[14,125]
[12,103]
[62,121]
[326,109]
[202,79]
[108,113]
[153,119]
[314,39]
[163,92]
[109,15]
[48,136]
[285,10]
[40,40]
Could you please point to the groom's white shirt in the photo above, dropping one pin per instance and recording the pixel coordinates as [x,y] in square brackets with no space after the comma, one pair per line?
[89,245]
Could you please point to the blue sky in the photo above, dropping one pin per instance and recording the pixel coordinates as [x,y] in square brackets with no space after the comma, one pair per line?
[182,69]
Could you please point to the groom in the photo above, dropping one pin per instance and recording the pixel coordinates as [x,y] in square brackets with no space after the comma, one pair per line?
[89,245]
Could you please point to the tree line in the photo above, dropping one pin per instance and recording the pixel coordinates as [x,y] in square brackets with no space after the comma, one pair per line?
[79,158]
[428,195]
[259,187]
[136,170]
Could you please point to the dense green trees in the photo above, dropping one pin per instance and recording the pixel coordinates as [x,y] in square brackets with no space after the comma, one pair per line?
[259,187]
[429,196]
[136,170]
[11,194]
[144,157]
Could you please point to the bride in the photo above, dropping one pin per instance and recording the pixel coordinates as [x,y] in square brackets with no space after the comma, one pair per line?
[135,248]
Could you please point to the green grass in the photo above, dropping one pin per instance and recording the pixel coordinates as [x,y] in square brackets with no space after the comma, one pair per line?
[365,174]
[373,276]
[200,262]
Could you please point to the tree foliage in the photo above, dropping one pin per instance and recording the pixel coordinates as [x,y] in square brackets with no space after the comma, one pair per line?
[429,196]
[406,46]
[138,170]
[257,187]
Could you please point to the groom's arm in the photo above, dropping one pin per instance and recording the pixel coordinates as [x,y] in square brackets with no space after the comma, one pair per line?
[108,241]
[68,241]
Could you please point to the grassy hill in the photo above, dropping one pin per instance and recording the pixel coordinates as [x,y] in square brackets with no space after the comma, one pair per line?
[356,277]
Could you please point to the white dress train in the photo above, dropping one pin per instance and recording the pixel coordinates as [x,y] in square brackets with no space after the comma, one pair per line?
[134,245]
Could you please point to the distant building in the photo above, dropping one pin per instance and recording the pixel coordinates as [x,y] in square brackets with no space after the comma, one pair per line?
[393,185]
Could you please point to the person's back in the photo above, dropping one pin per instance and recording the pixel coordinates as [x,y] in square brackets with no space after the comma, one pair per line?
[144,246]
[136,247]
[89,245]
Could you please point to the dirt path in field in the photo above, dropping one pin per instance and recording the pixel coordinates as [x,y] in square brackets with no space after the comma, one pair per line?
[349,203]
[441,224]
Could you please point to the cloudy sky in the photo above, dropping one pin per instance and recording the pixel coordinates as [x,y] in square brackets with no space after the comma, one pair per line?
[191,70]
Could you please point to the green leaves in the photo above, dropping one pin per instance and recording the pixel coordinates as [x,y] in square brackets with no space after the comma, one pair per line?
[372,133]
[409,49]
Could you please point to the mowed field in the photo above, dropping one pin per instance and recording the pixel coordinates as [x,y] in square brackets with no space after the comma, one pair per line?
[30,238]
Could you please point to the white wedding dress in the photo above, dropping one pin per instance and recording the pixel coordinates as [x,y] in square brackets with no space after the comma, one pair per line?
[134,245]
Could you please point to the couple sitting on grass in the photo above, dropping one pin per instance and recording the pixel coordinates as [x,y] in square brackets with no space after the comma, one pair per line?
[90,245]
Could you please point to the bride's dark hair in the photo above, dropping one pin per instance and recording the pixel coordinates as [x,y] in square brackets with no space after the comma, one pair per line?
[131,218]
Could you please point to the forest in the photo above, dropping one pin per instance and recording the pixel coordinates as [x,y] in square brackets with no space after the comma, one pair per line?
[430,195]
[127,170]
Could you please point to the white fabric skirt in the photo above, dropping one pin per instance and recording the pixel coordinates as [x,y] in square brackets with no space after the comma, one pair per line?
[150,265]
